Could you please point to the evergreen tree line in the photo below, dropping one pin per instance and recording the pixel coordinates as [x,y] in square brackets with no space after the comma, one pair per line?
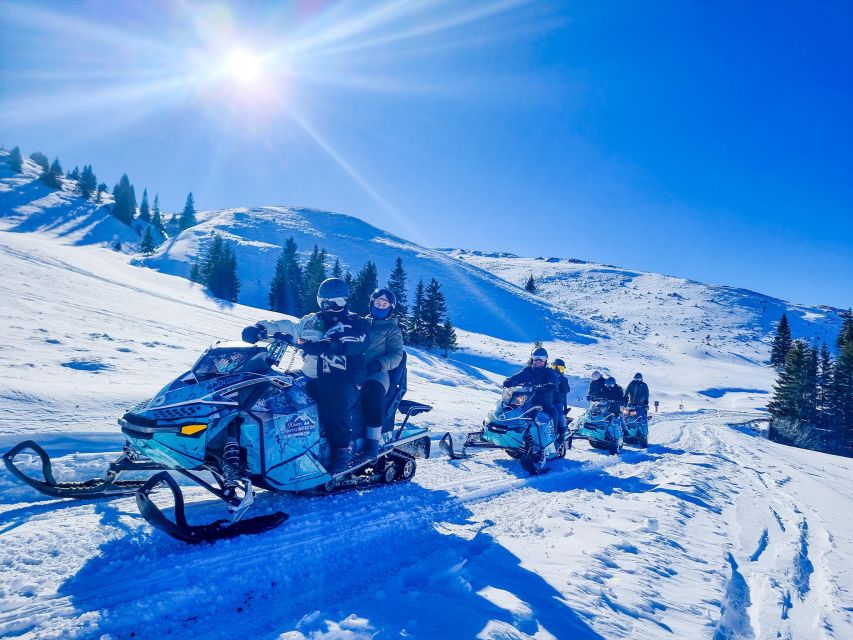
[293,291]
[812,404]
[125,207]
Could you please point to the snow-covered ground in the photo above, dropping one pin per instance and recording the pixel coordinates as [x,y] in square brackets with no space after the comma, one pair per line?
[713,532]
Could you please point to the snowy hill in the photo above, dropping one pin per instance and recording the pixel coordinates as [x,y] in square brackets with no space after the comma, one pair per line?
[27,204]
[477,301]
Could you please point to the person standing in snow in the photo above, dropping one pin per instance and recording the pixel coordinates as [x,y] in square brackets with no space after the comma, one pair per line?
[637,394]
[596,387]
[339,361]
[614,394]
[384,353]
[537,374]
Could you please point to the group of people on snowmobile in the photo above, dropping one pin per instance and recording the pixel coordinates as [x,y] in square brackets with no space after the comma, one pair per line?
[636,395]
[550,387]
[347,359]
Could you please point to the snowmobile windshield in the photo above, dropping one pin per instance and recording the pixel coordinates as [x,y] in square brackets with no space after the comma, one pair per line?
[225,361]
[515,396]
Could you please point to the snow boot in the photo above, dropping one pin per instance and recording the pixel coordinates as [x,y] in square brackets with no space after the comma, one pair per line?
[339,460]
[371,442]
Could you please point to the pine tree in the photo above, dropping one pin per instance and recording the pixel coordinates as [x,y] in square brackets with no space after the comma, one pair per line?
[315,273]
[530,285]
[434,311]
[223,280]
[52,176]
[144,210]
[781,344]
[337,269]
[157,219]
[366,282]
[88,182]
[147,246]
[447,338]
[102,189]
[124,195]
[417,325]
[794,397]
[41,160]
[217,270]
[188,218]
[74,174]
[286,294]
[349,280]
[824,385]
[397,285]
[15,160]
[841,390]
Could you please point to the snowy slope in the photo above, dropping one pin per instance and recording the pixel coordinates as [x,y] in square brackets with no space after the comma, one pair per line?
[27,204]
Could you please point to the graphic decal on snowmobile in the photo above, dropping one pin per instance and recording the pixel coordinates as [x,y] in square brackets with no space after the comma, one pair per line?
[299,426]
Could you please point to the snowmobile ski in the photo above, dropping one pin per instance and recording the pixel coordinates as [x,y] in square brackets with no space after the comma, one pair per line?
[194,534]
[105,487]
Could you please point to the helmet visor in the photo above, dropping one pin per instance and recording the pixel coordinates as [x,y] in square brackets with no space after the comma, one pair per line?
[332,304]
[560,368]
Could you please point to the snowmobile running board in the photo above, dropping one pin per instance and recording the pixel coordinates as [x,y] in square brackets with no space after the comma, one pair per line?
[194,534]
[446,445]
[105,487]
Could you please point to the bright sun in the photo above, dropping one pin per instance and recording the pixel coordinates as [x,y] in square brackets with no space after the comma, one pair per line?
[244,66]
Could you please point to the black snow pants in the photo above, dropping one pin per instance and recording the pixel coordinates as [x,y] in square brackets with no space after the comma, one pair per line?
[335,399]
[372,403]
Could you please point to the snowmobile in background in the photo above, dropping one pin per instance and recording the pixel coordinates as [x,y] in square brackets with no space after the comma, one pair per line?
[238,417]
[519,427]
[603,428]
[636,426]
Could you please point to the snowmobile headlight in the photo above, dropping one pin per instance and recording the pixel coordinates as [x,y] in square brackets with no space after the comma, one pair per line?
[192,429]
[519,399]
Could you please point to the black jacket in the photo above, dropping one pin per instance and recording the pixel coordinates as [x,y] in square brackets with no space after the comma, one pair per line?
[614,394]
[596,389]
[533,376]
[347,333]
[637,393]
[562,391]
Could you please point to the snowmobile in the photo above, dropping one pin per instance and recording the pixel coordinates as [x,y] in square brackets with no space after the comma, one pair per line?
[519,427]
[603,428]
[239,417]
[636,425]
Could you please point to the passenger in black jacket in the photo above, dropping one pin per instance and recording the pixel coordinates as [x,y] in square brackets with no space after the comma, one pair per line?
[637,393]
[561,400]
[613,392]
[538,374]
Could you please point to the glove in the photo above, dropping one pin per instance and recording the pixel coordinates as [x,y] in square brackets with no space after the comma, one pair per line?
[374,366]
[506,382]
[316,348]
[282,337]
[254,333]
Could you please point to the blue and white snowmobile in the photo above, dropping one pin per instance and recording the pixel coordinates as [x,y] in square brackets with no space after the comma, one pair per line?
[636,425]
[240,418]
[603,428]
[519,427]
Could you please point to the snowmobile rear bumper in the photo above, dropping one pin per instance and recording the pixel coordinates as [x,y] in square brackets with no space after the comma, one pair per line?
[105,487]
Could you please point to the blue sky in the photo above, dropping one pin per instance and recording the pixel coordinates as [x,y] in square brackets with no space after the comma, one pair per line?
[707,140]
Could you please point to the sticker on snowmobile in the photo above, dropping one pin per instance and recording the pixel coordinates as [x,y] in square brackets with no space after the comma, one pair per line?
[299,426]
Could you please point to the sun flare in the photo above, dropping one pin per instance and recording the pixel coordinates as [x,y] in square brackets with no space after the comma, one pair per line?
[243,66]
